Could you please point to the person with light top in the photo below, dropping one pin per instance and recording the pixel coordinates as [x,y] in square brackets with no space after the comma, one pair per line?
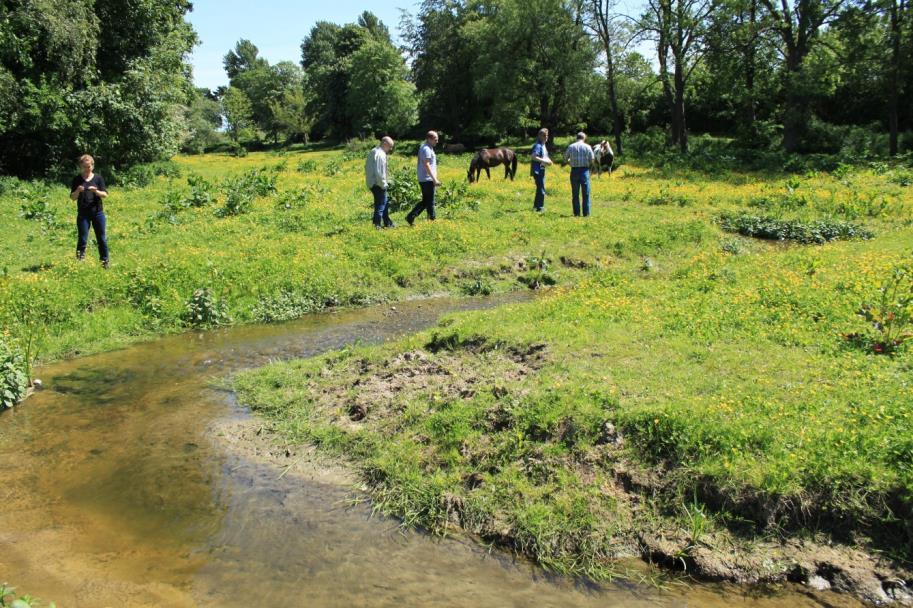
[427,178]
[89,191]
[537,167]
[376,179]
[580,156]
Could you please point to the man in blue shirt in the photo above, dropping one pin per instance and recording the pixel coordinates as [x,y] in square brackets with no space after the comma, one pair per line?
[427,178]
[579,156]
[537,169]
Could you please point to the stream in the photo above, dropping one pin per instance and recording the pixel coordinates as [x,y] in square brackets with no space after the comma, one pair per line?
[119,489]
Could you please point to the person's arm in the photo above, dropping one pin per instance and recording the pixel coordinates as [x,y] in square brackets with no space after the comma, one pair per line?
[540,159]
[76,189]
[101,192]
[431,170]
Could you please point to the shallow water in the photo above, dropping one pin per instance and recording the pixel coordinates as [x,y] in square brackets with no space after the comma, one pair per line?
[116,492]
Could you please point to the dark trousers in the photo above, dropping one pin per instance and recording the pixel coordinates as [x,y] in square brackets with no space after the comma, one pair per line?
[580,184]
[96,219]
[427,201]
[539,201]
[381,204]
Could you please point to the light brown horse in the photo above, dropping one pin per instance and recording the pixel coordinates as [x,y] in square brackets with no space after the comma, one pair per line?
[492,157]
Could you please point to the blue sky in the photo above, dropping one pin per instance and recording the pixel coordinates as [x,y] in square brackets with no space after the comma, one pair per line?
[275,26]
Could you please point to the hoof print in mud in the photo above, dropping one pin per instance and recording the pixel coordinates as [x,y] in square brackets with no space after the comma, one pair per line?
[357,412]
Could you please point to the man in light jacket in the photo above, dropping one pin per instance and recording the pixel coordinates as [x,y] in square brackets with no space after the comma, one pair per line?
[376,179]
[579,156]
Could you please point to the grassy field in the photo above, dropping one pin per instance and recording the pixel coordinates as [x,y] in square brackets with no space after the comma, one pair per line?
[673,380]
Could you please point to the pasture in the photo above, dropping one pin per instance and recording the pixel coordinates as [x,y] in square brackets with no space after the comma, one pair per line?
[671,380]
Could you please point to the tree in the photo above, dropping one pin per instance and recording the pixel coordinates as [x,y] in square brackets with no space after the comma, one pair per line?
[326,56]
[293,115]
[238,112]
[443,58]
[798,25]
[380,99]
[534,59]
[602,20]
[108,78]
[678,27]
[203,117]
[243,58]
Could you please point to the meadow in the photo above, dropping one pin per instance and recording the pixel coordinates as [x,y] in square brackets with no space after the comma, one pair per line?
[716,360]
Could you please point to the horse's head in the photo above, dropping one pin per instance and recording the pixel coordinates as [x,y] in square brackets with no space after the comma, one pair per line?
[469,174]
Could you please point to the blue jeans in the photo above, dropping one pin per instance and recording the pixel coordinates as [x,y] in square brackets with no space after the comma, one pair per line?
[539,201]
[427,201]
[96,219]
[580,180]
[381,213]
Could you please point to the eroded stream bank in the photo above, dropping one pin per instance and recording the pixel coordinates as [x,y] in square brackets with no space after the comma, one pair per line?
[126,484]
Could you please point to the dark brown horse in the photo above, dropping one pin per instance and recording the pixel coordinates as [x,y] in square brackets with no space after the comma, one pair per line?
[492,157]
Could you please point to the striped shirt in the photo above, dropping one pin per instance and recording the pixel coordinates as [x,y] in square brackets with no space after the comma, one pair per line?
[579,154]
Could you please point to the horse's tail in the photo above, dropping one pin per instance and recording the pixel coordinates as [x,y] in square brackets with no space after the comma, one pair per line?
[513,166]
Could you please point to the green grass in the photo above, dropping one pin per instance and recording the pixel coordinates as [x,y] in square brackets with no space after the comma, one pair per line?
[719,360]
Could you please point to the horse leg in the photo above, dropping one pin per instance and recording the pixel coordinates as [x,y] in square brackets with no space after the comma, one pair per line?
[488,172]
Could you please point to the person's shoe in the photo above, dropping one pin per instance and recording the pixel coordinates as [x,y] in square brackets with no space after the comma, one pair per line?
[80,256]
[390,225]
[538,209]
[104,264]
[377,227]
[410,220]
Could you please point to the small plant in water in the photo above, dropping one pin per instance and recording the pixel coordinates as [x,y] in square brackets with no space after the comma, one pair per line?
[205,310]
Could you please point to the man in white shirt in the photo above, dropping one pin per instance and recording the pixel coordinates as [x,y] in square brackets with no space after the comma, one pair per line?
[376,179]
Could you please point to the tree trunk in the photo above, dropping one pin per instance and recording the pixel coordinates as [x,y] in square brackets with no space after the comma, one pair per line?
[750,69]
[795,115]
[897,7]
[663,55]
[678,119]
[617,122]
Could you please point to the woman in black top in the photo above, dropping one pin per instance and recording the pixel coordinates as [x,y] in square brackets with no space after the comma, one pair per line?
[88,190]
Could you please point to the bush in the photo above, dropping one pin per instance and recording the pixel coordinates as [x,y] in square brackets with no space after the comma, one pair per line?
[13,378]
[292,199]
[241,191]
[890,316]
[766,227]
[403,190]
[203,310]
[332,168]
[284,306]
[236,149]
[202,193]
[140,176]
[307,166]
[38,207]
[455,195]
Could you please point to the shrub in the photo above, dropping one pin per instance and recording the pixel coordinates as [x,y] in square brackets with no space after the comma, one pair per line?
[202,192]
[456,195]
[332,168]
[241,191]
[13,377]
[306,166]
[284,306]
[204,309]
[666,197]
[236,149]
[403,190]
[890,316]
[140,176]
[766,227]
[38,207]
[292,199]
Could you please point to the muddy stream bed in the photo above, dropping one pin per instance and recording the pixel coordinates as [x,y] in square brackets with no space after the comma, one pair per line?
[125,483]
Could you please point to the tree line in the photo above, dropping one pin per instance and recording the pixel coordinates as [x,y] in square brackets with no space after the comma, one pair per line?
[111,76]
